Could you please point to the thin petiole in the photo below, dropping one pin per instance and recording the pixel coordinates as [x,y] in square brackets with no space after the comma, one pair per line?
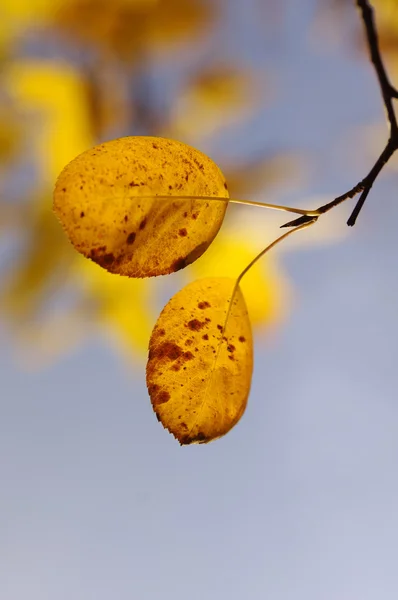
[298,211]
[272,245]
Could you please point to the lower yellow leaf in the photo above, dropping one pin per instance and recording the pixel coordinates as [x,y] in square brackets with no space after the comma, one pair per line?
[201,360]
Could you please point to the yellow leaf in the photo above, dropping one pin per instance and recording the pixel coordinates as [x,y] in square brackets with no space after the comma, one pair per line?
[106,199]
[201,360]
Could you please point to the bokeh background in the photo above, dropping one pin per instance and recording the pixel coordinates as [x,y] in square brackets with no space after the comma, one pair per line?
[299,500]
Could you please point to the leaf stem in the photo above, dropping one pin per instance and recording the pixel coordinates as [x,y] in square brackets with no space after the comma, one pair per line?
[298,211]
[273,244]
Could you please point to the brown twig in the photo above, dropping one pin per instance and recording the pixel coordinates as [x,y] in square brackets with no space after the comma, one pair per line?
[388,93]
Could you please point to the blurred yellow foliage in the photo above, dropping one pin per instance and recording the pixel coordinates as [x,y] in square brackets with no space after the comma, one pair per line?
[43,260]
[17,16]
[122,306]
[125,28]
[10,134]
[218,97]
[387,24]
[53,95]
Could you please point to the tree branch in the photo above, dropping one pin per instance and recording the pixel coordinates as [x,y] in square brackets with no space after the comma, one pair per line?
[388,93]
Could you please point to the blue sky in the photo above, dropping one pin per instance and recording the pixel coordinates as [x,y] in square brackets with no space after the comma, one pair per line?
[299,500]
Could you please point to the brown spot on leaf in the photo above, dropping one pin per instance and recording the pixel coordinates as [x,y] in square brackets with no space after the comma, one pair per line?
[126,218]
[142,224]
[199,438]
[205,337]
[108,259]
[178,264]
[183,232]
[98,256]
[131,238]
[161,332]
[168,350]
[133,184]
[230,347]
[220,327]
[242,339]
[81,214]
[195,325]
[181,263]
[203,305]
[196,253]
[160,397]
[155,146]
[198,164]
[188,342]
[188,355]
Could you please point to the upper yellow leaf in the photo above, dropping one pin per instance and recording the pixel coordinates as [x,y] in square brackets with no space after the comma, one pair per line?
[201,360]
[106,199]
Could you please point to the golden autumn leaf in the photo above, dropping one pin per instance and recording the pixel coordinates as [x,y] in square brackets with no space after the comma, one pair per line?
[129,204]
[201,360]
